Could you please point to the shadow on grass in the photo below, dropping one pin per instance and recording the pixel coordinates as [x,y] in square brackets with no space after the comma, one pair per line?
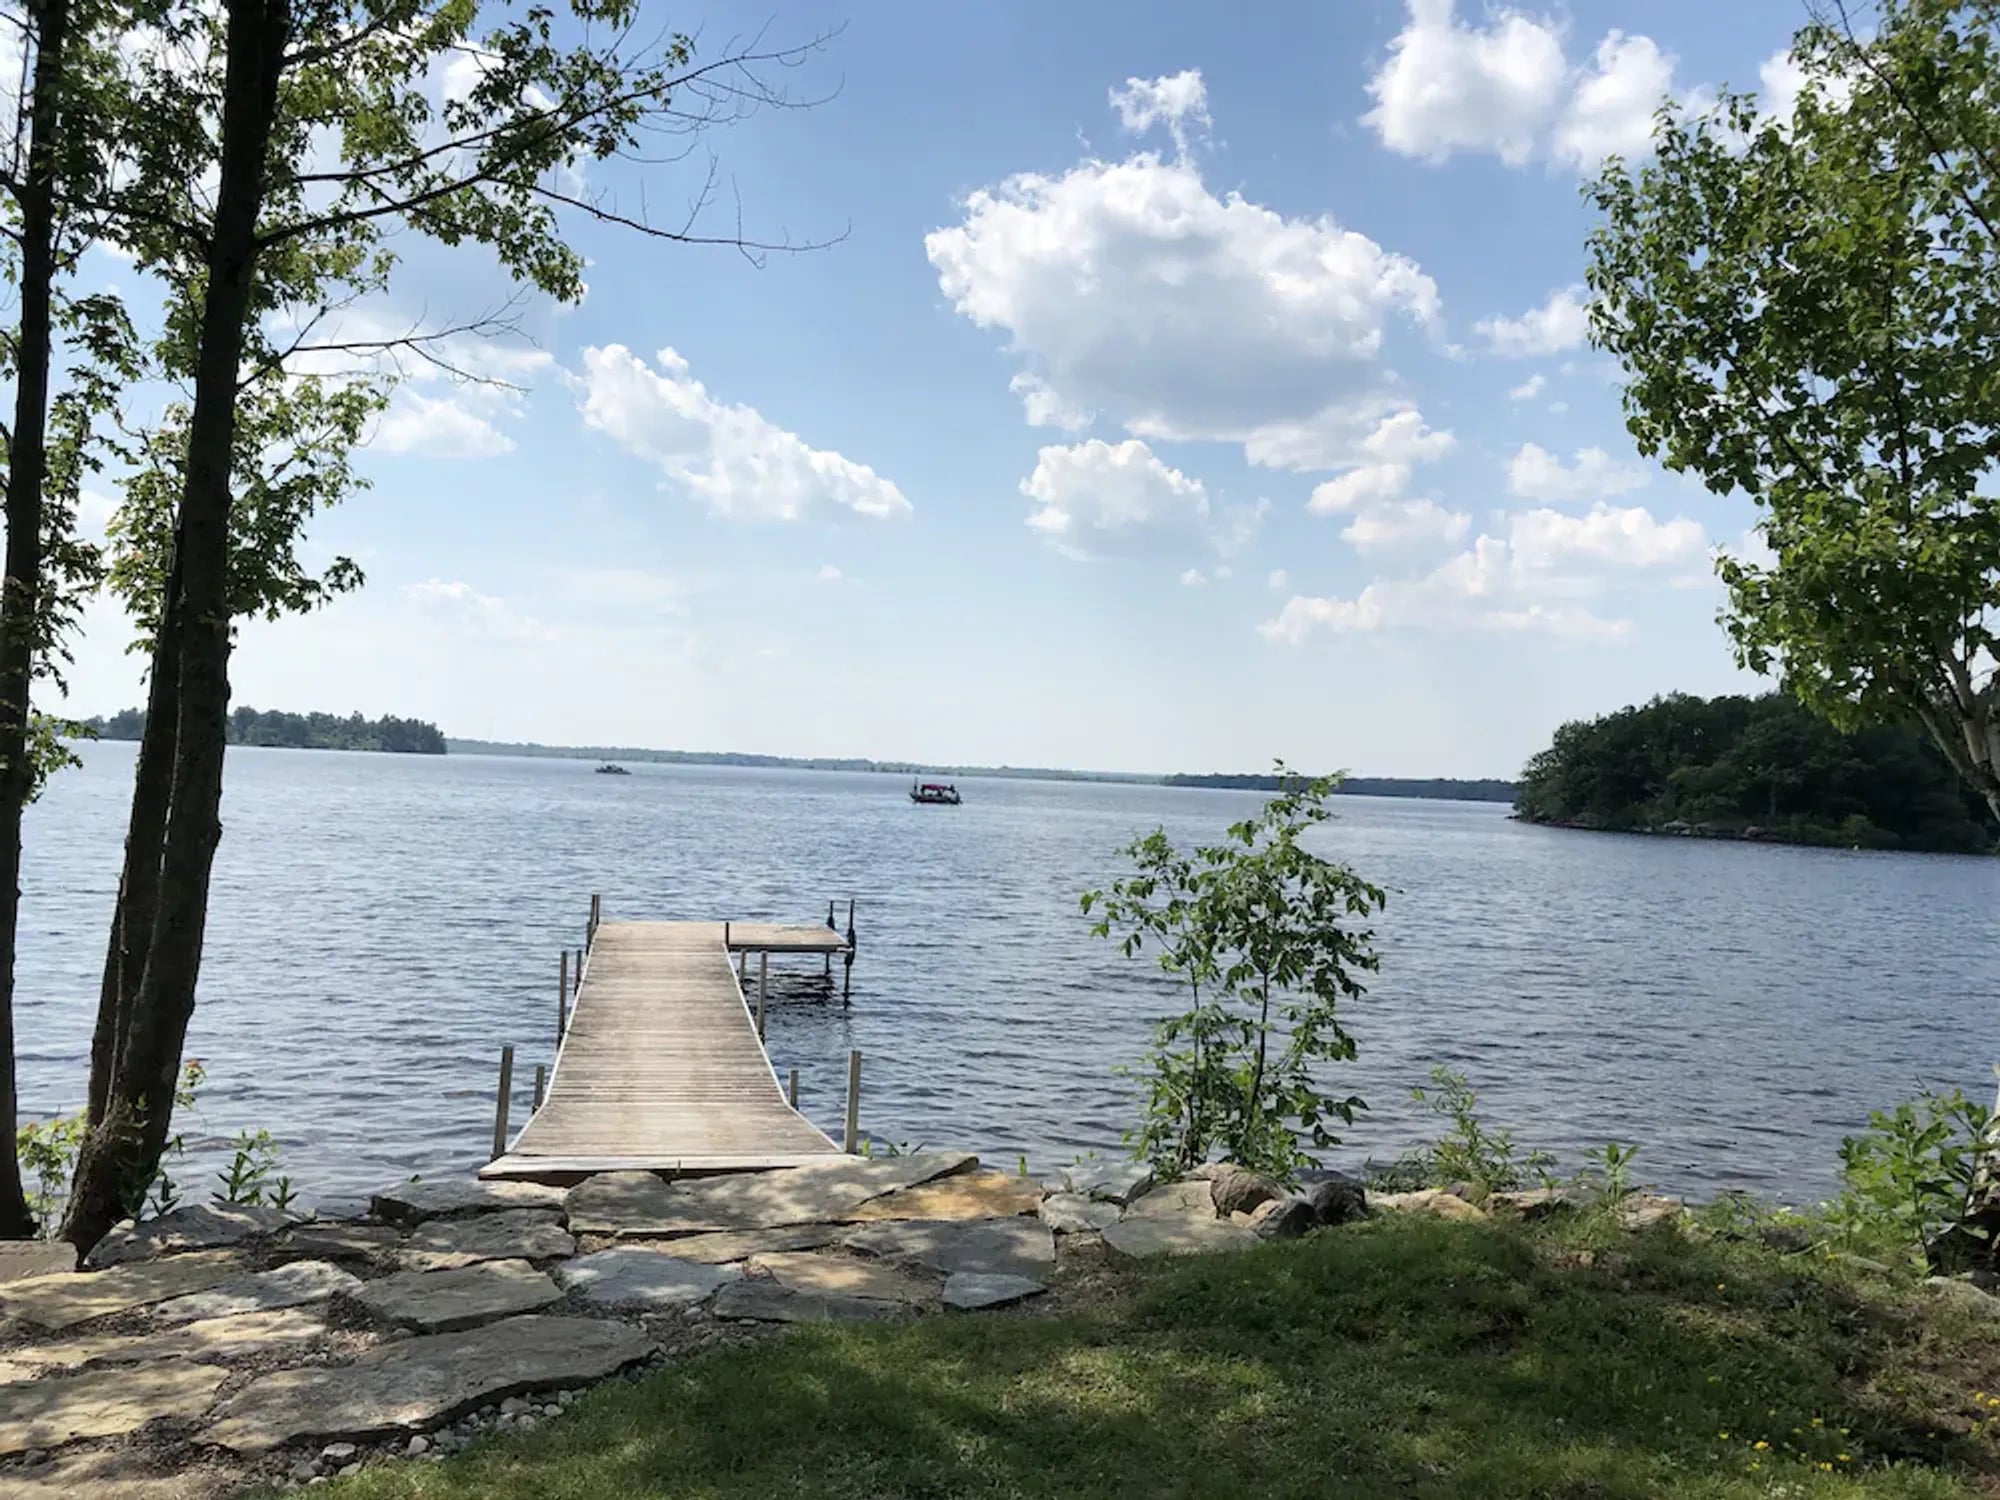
[1404,1358]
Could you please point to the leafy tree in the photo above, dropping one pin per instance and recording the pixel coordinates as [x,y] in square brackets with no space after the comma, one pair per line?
[1259,929]
[1808,311]
[316,119]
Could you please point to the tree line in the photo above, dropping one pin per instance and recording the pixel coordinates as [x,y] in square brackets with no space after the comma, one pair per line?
[1759,767]
[1483,789]
[313,731]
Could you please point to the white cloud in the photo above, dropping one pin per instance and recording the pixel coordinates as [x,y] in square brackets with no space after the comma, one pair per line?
[828,573]
[464,607]
[1382,463]
[1403,524]
[1534,473]
[1237,528]
[1130,290]
[1371,484]
[1562,322]
[1528,389]
[1192,579]
[1782,80]
[733,459]
[437,427]
[1097,498]
[1447,87]
[1279,579]
[1611,112]
[1625,537]
[1178,103]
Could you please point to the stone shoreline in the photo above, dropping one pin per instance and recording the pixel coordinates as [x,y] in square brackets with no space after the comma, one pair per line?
[220,1346]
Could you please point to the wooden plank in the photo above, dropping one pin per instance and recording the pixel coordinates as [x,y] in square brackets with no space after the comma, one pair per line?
[661,1066]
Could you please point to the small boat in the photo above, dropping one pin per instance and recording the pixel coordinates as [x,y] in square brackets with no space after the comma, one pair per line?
[942,793]
[611,769]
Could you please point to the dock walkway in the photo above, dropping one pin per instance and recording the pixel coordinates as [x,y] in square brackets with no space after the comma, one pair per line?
[660,1066]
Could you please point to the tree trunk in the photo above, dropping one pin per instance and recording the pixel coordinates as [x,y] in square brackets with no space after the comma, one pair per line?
[139,880]
[122,1153]
[20,598]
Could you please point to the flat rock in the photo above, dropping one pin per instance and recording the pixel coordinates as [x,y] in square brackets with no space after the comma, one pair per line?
[741,1244]
[837,1276]
[510,1234]
[963,1195]
[24,1258]
[336,1241]
[1072,1213]
[1113,1181]
[1017,1247]
[442,1301]
[764,1300]
[1175,1200]
[656,1278]
[1646,1211]
[72,1297]
[421,1381]
[1434,1201]
[1963,1295]
[101,1403]
[970,1291]
[640,1203]
[295,1285]
[123,1472]
[413,1202]
[1177,1235]
[1532,1203]
[199,1226]
[203,1341]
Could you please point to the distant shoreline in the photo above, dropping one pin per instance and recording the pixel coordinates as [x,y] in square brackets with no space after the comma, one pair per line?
[1429,788]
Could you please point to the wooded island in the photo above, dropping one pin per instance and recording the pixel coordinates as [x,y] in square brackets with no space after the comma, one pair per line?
[314,731]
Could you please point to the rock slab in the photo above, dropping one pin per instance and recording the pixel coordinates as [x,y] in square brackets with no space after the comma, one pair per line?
[1072,1213]
[838,1276]
[202,1342]
[639,1203]
[336,1241]
[1174,1200]
[443,1301]
[72,1297]
[654,1278]
[1177,1235]
[295,1285]
[1014,1247]
[413,1202]
[20,1259]
[1113,1181]
[741,1244]
[422,1381]
[101,1403]
[199,1226]
[1434,1201]
[970,1291]
[763,1300]
[963,1195]
[509,1234]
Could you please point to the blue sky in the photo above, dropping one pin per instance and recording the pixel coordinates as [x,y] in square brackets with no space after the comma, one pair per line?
[1183,393]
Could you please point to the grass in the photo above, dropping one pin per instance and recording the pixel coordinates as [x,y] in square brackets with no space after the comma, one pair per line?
[1406,1357]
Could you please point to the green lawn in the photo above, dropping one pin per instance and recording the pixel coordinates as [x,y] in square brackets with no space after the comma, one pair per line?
[1406,1357]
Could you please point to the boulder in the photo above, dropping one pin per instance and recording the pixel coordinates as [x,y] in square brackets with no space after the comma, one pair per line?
[395,1388]
[1072,1213]
[1283,1218]
[1237,1190]
[970,1291]
[1336,1198]
[1427,1201]
[1183,1234]
[631,1275]
[1963,1296]
[511,1234]
[442,1301]
[1113,1181]
[413,1202]
[199,1226]
[295,1285]
[1017,1247]
[71,1297]
[101,1403]
[638,1203]
[1175,1200]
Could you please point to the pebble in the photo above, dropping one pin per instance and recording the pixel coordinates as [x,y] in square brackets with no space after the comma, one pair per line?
[338,1453]
[304,1469]
[350,1470]
[35,1456]
[512,1406]
[419,1446]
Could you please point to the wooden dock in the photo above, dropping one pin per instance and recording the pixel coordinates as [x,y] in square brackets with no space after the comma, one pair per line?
[660,1066]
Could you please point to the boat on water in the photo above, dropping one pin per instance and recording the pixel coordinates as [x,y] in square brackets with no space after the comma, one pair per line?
[611,768]
[942,793]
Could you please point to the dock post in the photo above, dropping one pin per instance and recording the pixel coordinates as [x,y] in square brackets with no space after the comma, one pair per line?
[829,918]
[743,969]
[500,1102]
[576,974]
[562,999]
[763,988]
[847,960]
[725,938]
[541,1085]
[596,916]
[853,1102]
[792,1089]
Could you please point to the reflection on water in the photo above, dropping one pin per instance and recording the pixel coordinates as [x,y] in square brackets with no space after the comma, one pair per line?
[382,924]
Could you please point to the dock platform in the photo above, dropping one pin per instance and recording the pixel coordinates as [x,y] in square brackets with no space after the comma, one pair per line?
[660,1066]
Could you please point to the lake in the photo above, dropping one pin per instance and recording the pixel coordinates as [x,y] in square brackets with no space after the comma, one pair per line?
[383,924]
